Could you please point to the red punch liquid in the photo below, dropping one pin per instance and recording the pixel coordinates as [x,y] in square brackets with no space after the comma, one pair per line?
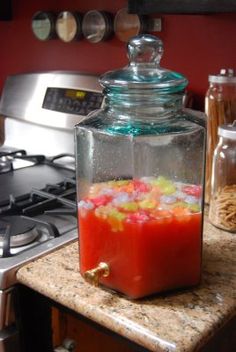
[149,233]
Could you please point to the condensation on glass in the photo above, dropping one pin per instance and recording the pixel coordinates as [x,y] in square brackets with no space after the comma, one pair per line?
[139,175]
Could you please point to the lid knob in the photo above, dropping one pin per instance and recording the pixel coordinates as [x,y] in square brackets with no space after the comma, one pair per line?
[145,49]
[144,72]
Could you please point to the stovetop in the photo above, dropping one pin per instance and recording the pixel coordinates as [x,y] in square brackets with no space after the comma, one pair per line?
[37,208]
[39,112]
[21,172]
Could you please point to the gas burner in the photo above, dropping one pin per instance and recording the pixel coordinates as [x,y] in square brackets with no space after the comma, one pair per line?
[19,230]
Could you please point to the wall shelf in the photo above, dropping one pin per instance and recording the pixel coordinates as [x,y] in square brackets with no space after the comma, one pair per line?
[144,7]
[5,10]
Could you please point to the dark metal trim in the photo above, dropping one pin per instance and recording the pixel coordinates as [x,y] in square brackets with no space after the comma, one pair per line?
[144,7]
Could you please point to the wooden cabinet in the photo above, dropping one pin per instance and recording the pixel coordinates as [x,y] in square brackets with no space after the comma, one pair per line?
[87,337]
[91,339]
[41,320]
[144,7]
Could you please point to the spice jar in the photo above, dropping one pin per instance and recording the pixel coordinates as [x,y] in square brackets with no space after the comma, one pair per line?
[220,108]
[139,175]
[222,212]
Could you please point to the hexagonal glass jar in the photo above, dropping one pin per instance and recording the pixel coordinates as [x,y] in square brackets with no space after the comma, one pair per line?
[139,174]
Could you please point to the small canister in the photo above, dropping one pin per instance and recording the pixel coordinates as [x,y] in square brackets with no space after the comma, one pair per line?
[223,200]
[220,108]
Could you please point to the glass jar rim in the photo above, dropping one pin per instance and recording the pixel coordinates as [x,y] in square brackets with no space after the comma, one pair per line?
[227,131]
[226,75]
[221,79]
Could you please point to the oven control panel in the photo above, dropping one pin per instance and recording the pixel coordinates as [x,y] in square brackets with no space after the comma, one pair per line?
[58,99]
[72,101]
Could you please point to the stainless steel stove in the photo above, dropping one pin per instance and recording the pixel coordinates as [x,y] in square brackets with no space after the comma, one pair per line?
[37,177]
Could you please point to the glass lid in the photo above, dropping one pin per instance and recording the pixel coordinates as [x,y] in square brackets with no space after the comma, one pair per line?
[143,71]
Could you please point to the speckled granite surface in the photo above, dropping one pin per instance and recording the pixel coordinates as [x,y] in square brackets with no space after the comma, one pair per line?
[181,321]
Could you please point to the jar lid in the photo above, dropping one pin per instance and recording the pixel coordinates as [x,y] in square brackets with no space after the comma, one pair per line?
[227,131]
[226,75]
[143,70]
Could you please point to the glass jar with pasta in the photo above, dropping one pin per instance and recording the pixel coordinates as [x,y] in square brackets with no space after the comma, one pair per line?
[222,211]
[220,108]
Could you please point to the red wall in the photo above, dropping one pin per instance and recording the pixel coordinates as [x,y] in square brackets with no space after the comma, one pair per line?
[194,45]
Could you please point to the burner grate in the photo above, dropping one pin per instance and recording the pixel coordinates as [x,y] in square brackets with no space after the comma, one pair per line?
[18,159]
[12,153]
[61,195]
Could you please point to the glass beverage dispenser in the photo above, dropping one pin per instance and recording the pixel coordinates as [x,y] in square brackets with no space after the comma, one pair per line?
[140,167]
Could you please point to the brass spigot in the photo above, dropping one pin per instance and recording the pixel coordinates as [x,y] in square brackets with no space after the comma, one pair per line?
[93,276]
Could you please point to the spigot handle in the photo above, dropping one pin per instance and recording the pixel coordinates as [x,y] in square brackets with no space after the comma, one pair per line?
[93,276]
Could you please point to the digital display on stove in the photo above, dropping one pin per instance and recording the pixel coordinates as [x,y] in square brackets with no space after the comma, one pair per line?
[72,101]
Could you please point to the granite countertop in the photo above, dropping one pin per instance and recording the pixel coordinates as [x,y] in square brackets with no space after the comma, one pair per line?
[182,321]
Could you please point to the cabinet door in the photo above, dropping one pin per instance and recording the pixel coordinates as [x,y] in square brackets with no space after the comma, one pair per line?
[86,336]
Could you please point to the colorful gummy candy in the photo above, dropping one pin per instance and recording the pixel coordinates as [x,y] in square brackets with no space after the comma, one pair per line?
[141,200]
